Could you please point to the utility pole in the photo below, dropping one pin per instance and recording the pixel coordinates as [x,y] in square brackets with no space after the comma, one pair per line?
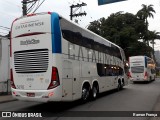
[73,14]
[24,5]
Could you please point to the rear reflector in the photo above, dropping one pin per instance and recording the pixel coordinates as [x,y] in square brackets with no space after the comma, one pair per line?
[50,94]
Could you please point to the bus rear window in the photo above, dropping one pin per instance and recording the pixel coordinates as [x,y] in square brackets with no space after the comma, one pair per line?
[137,69]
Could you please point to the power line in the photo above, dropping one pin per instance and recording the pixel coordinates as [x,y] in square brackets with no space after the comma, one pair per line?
[27,7]
[4,28]
[31,7]
[4,33]
[38,6]
[25,3]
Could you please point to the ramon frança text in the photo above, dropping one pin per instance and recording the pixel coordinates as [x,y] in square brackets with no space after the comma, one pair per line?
[145,115]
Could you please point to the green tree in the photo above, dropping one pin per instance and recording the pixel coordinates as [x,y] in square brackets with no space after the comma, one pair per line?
[143,14]
[125,30]
[152,36]
[96,25]
[138,48]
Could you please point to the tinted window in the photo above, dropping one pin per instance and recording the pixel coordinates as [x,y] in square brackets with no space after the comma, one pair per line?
[88,40]
[109,70]
[66,28]
[115,51]
[76,35]
[97,46]
[137,69]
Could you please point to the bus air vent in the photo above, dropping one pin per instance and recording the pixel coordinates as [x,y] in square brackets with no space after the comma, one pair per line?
[31,61]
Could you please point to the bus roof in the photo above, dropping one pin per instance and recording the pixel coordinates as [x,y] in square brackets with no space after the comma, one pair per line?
[42,13]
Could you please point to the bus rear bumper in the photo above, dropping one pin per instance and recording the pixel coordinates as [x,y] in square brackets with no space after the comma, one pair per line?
[138,79]
[38,95]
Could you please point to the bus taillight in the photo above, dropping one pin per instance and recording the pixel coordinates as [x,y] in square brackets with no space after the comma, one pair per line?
[145,75]
[54,79]
[129,74]
[12,80]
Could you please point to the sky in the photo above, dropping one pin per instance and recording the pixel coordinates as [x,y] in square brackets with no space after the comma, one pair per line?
[11,9]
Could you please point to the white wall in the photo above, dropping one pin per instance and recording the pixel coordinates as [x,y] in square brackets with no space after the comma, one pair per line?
[4,63]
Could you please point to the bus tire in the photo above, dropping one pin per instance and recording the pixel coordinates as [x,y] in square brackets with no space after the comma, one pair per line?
[94,92]
[85,93]
[119,87]
[123,83]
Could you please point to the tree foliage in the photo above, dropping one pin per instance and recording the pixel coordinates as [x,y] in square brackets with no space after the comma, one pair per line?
[125,30]
[143,14]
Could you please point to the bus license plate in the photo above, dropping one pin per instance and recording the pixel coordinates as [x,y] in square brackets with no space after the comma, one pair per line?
[31,94]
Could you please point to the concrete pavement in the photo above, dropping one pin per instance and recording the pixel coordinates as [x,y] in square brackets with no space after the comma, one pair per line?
[6,98]
[9,98]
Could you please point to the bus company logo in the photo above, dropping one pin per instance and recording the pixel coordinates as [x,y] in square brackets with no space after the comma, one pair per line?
[20,114]
[28,42]
[6,114]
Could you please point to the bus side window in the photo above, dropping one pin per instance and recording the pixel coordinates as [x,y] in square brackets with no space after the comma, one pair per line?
[68,35]
[77,36]
[87,40]
[67,30]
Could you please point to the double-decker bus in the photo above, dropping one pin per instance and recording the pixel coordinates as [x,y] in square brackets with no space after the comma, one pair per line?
[53,59]
[142,68]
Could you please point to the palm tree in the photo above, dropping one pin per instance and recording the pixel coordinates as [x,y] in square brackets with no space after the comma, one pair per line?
[152,36]
[143,14]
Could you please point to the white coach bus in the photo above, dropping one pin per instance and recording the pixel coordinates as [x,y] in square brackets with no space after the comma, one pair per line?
[53,59]
[142,68]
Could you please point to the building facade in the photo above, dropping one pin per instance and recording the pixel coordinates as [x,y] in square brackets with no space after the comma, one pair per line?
[4,65]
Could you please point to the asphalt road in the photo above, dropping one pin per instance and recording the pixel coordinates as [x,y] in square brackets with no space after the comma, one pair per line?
[134,98]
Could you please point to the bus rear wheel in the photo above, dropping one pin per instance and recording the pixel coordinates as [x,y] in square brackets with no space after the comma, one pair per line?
[94,92]
[119,87]
[85,93]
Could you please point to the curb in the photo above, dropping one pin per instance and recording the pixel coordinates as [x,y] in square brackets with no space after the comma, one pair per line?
[1,102]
